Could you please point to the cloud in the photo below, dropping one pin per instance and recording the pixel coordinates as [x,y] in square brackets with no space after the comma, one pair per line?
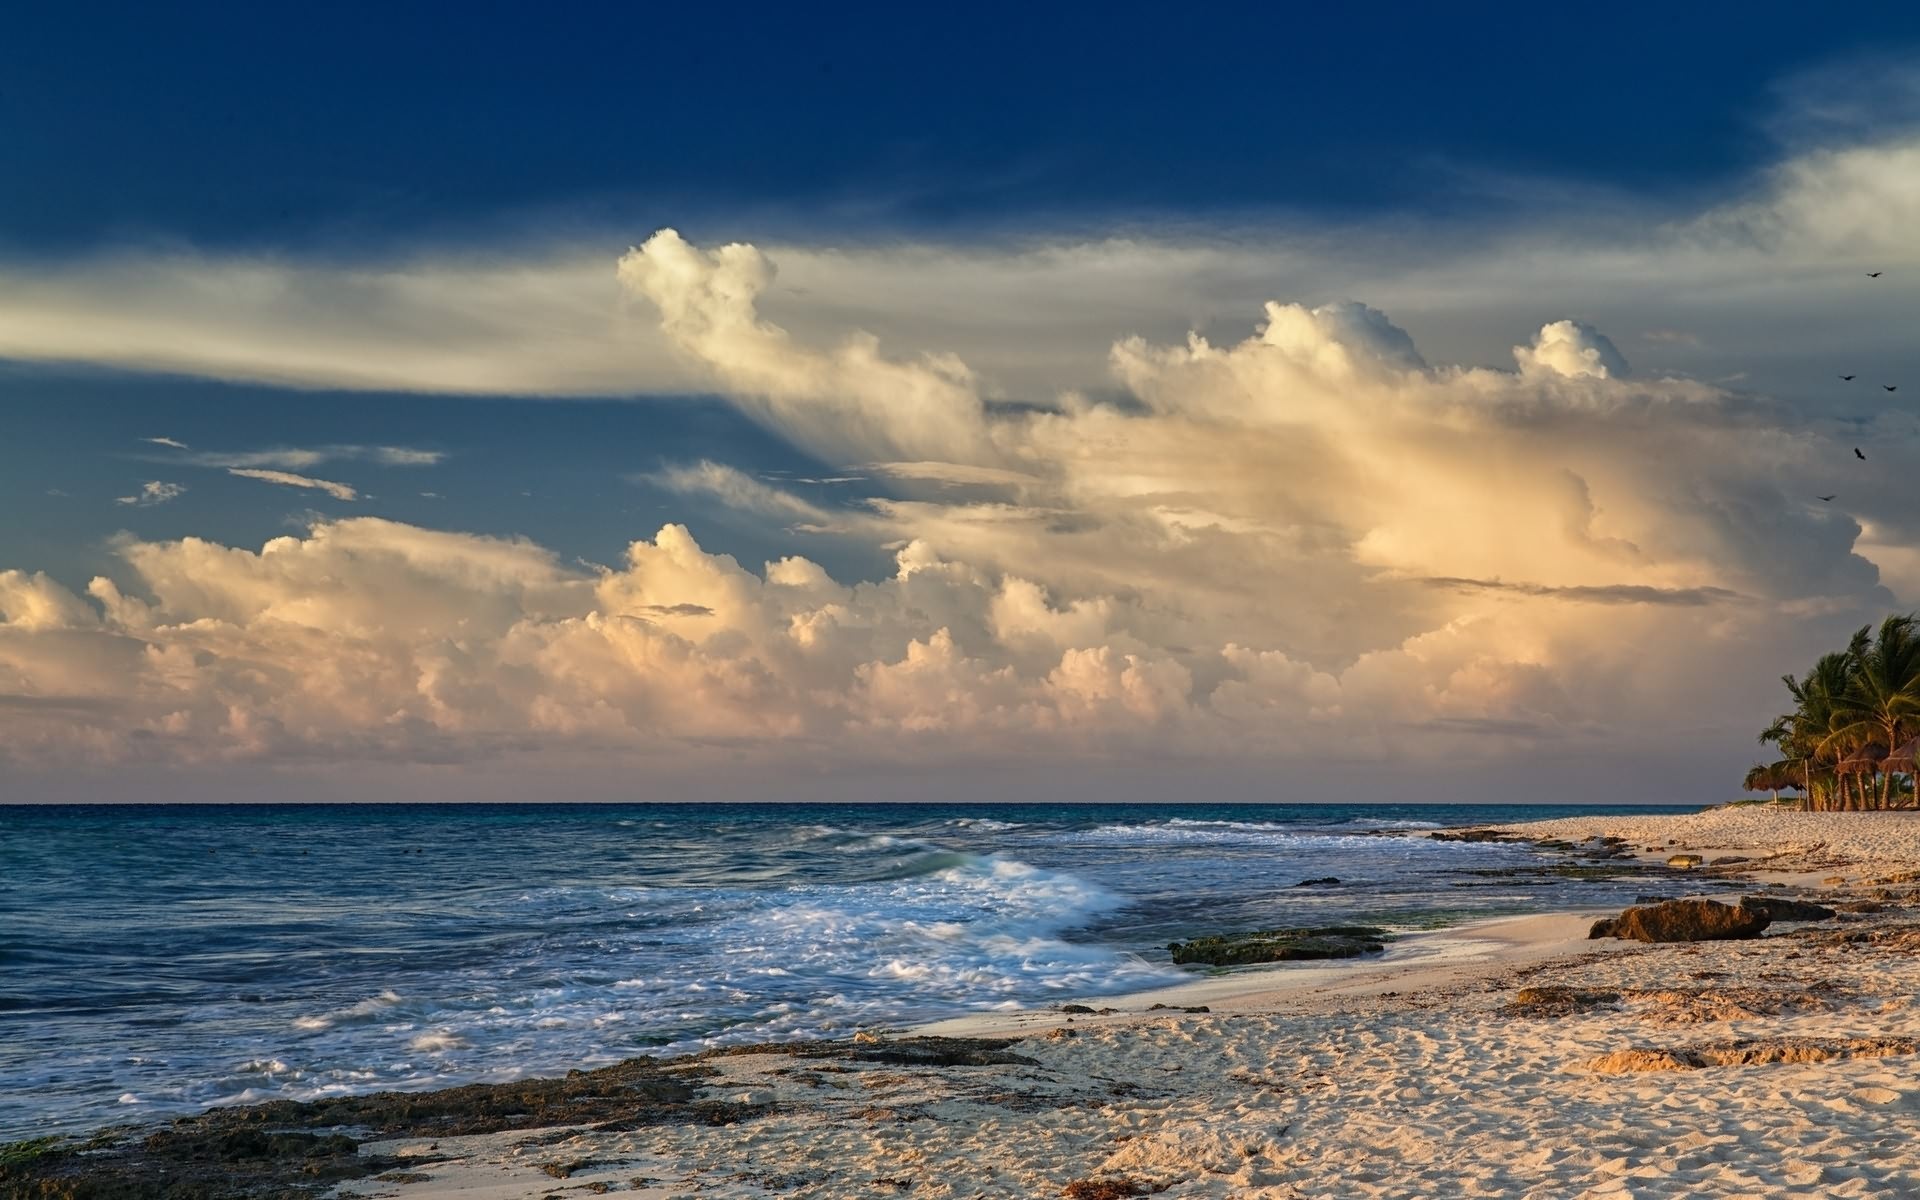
[1312,545]
[300,458]
[738,490]
[339,491]
[1572,349]
[153,492]
[1766,277]
[166,441]
[1606,594]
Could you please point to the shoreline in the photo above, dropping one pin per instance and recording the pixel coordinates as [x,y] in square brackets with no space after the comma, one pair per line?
[1414,1070]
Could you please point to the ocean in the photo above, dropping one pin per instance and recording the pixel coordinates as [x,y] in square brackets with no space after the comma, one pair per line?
[155,960]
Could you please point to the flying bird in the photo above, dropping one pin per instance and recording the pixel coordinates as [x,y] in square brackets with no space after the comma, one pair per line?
[1848,378]
[1825,497]
[1892,387]
[1873,274]
[1858,455]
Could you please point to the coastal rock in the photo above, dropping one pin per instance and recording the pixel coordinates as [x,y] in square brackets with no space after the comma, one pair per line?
[1779,908]
[1279,945]
[1556,1000]
[1749,1052]
[1104,1189]
[1473,835]
[1683,921]
[1685,861]
[1323,881]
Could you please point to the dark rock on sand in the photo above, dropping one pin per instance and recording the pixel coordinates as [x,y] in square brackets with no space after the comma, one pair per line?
[1473,835]
[1748,1052]
[1104,1189]
[1556,1000]
[1280,945]
[1683,921]
[1779,908]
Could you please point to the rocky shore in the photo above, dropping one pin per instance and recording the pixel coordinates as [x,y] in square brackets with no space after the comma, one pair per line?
[1766,1050]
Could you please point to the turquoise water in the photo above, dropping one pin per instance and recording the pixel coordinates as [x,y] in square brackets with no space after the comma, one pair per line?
[159,959]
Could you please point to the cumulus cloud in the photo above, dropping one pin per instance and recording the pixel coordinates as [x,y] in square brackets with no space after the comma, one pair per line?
[339,491]
[1311,544]
[1573,349]
[153,492]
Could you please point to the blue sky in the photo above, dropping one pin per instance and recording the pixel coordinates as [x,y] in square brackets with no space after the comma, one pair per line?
[1410,378]
[221,125]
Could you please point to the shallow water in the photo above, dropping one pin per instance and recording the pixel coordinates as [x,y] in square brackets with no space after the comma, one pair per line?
[158,959]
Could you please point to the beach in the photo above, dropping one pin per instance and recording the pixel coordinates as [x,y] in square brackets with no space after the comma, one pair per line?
[1514,1057]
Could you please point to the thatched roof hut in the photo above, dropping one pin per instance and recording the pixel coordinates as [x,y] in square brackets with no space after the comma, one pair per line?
[1777,777]
[1902,758]
[1864,761]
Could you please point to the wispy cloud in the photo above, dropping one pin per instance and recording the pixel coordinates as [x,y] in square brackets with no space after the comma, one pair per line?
[339,491]
[152,492]
[739,490]
[166,441]
[300,458]
[1619,593]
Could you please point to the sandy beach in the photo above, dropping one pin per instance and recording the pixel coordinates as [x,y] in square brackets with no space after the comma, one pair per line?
[1782,1065]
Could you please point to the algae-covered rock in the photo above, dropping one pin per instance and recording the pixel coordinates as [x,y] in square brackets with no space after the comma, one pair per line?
[1279,945]
[1779,908]
[1684,921]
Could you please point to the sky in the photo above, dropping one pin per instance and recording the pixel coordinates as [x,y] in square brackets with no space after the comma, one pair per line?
[1102,403]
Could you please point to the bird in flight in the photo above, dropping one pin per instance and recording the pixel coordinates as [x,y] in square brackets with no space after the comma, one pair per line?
[1825,497]
[1874,274]
[1848,378]
[1892,387]
[1858,455]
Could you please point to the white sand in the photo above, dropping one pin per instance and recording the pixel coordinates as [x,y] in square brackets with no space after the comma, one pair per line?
[1394,1078]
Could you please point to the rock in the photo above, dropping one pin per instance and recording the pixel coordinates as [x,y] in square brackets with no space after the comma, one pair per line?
[1728,860]
[1076,1008]
[1555,1000]
[1685,861]
[1472,835]
[1104,1189]
[1324,881]
[1683,921]
[1279,945]
[1749,1052]
[1779,908]
[1191,1008]
[1834,880]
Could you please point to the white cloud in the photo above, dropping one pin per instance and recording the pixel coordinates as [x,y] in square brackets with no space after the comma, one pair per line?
[300,458]
[1242,530]
[1769,278]
[153,492]
[339,491]
[167,441]
[1312,545]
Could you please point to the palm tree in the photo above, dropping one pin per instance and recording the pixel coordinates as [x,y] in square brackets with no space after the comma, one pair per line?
[1880,707]
[1805,735]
